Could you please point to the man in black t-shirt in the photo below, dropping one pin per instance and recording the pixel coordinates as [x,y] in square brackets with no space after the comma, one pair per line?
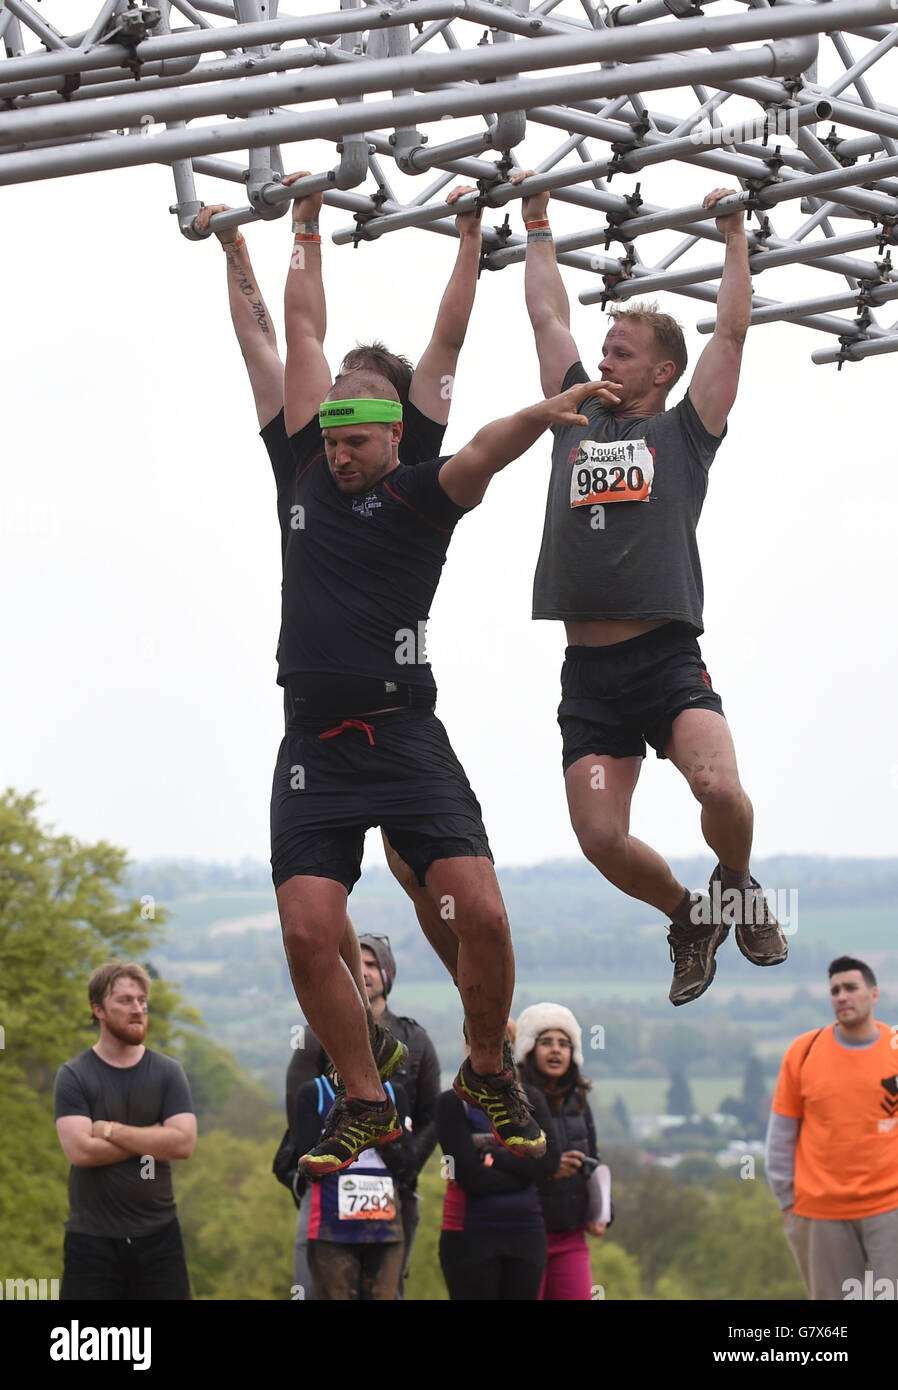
[425,392]
[619,566]
[363,746]
[123,1113]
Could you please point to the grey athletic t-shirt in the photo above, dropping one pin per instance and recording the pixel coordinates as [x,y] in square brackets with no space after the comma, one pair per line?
[604,555]
[113,1199]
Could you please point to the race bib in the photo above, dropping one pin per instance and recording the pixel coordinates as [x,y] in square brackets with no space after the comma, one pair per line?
[619,471]
[366,1197]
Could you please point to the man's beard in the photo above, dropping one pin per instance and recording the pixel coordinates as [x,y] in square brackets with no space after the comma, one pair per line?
[126,1032]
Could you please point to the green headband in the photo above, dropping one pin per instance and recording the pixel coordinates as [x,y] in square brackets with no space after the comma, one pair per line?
[368,410]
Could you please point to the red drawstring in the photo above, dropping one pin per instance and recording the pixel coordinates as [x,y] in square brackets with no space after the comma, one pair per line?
[351,724]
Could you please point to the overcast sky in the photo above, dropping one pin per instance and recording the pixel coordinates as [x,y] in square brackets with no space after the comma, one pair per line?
[140,554]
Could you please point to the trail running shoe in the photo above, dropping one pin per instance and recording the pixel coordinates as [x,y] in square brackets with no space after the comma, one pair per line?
[502,1100]
[351,1127]
[694,965]
[759,935]
[389,1055]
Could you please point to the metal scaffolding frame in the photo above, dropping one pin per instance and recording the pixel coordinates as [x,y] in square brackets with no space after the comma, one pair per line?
[183,82]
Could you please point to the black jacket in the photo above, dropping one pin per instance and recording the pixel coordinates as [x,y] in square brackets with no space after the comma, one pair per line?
[420,1077]
[564,1200]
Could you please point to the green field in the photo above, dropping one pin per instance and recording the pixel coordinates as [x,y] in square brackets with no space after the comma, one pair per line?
[644,1095]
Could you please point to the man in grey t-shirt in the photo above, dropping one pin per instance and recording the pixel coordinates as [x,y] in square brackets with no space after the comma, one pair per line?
[619,566]
[123,1113]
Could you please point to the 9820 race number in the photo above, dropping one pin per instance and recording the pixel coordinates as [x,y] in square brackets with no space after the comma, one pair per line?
[595,481]
[622,471]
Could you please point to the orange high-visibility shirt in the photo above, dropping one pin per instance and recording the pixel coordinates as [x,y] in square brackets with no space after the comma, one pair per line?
[846,1161]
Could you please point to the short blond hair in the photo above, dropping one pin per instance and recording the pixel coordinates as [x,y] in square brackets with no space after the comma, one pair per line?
[108,975]
[668,332]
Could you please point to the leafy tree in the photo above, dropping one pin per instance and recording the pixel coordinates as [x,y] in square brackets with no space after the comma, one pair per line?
[614,1271]
[654,1218]
[239,1224]
[679,1094]
[737,1251]
[621,1114]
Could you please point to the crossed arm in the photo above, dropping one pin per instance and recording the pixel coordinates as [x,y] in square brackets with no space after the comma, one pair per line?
[86,1145]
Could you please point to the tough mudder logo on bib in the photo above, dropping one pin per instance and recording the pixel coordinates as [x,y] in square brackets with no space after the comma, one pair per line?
[366,1197]
[619,471]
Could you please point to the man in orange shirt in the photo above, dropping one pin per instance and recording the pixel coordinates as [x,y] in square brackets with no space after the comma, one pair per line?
[832,1145]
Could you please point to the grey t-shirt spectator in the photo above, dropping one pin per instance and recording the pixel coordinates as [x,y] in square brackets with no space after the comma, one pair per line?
[113,1199]
[626,559]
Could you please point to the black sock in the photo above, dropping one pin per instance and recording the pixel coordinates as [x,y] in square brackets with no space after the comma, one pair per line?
[682,914]
[734,878]
[371,1104]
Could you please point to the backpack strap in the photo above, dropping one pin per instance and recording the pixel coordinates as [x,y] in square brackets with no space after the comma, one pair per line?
[808,1048]
[326,1097]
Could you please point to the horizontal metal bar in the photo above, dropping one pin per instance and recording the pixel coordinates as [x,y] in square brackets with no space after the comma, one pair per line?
[804,253]
[356,117]
[107,82]
[880,294]
[824,323]
[604,45]
[855,352]
[222,39]
[384,74]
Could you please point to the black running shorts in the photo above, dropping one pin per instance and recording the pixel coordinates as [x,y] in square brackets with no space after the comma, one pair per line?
[616,699]
[336,778]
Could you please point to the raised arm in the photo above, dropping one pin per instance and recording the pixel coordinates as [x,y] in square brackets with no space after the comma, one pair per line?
[307,378]
[251,320]
[546,297]
[432,383]
[715,380]
[466,476]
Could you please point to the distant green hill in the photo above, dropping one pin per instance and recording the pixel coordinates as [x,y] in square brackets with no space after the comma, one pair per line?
[576,939]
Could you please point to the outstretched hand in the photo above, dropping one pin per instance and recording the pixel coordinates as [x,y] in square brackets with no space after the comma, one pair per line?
[306,207]
[201,222]
[562,410]
[536,205]
[467,224]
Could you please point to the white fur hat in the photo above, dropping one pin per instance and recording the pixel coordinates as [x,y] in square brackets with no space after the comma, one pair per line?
[538,1019]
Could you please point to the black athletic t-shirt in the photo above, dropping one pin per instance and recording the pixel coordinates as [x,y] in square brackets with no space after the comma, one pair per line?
[361,569]
[421,440]
[121,1199]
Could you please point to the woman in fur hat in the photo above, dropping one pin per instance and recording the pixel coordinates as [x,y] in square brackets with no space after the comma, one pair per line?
[549,1051]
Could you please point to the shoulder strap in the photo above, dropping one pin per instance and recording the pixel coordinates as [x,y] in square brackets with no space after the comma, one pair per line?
[326,1096]
[808,1048]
